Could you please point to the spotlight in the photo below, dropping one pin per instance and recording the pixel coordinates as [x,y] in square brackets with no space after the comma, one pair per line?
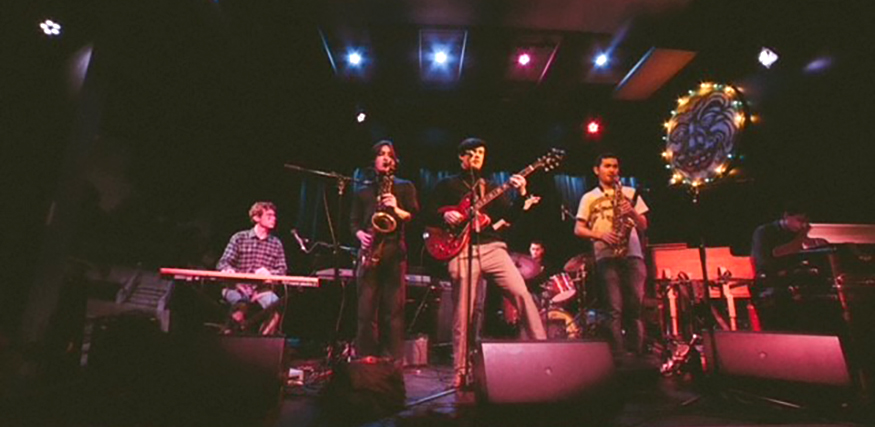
[593,127]
[441,57]
[768,57]
[524,59]
[601,60]
[354,58]
[50,28]
[361,116]
[441,54]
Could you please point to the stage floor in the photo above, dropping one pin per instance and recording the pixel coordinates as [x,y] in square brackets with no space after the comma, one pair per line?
[159,396]
[646,399]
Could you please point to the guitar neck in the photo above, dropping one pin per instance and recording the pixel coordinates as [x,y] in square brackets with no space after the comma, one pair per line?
[498,191]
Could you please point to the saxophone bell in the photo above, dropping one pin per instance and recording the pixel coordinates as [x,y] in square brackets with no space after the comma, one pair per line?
[383,222]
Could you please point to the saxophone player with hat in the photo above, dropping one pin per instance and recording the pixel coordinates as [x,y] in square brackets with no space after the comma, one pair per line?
[611,215]
[379,212]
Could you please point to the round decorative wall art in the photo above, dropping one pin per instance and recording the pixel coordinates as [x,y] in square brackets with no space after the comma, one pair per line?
[702,134]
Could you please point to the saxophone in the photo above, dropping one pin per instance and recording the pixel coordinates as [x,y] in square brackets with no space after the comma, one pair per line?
[382,221]
[622,225]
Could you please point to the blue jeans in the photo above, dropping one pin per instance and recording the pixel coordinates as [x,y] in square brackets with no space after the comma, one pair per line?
[264,299]
[623,281]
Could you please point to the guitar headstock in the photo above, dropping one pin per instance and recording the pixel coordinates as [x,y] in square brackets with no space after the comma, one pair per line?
[552,159]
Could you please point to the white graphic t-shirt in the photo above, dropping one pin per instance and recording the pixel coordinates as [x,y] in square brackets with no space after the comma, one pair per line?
[596,210]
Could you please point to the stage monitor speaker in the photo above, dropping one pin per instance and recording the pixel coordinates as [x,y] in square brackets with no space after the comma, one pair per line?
[539,372]
[810,359]
[363,390]
[243,375]
[261,356]
[795,369]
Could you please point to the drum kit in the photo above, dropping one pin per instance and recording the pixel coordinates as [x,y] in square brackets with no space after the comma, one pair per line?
[567,307]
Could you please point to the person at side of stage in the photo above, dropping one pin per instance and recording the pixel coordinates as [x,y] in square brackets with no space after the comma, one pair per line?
[622,277]
[254,251]
[381,273]
[491,258]
[772,247]
[772,242]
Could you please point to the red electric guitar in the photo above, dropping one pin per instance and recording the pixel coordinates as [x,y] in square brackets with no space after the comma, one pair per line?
[445,243]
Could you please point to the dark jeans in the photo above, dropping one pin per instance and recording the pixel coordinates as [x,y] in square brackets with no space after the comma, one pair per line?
[381,297]
[623,281]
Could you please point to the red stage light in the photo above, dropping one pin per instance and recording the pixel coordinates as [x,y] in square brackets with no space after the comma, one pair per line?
[593,127]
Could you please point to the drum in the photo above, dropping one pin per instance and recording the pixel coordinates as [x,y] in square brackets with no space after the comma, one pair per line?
[560,324]
[578,266]
[559,288]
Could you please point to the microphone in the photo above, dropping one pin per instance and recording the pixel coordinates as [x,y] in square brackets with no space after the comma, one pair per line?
[565,212]
[301,241]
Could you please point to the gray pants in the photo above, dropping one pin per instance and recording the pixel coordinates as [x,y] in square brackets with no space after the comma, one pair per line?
[623,280]
[492,262]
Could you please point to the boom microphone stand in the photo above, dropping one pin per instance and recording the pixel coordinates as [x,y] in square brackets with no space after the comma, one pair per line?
[470,223]
[341,183]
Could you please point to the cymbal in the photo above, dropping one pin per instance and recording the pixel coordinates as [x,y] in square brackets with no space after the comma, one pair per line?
[578,263]
[527,266]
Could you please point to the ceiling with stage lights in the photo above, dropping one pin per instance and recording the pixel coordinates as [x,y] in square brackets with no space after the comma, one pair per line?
[192,108]
[293,78]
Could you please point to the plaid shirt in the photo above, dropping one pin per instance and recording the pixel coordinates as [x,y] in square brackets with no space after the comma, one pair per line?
[246,253]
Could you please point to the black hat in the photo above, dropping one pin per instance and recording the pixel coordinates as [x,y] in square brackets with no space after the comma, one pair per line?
[470,144]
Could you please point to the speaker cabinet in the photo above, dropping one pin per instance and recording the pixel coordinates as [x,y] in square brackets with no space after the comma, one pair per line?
[246,374]
[810,359]
[807,370]
[537,372]
[362,390]
[256,355]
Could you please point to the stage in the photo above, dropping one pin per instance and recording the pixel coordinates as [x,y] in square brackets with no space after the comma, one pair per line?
[717,154]
[643,397]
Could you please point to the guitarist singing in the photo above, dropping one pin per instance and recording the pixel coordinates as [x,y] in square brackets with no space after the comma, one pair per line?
[490,256]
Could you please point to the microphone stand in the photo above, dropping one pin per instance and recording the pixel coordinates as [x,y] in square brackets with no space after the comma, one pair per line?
[341,183]
[708,323]
[473,232]
[468,294]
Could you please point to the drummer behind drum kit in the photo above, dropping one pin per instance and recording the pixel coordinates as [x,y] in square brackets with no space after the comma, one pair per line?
[556,298]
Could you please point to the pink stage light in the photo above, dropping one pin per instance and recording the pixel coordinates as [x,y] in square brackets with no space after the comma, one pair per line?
[524,59]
